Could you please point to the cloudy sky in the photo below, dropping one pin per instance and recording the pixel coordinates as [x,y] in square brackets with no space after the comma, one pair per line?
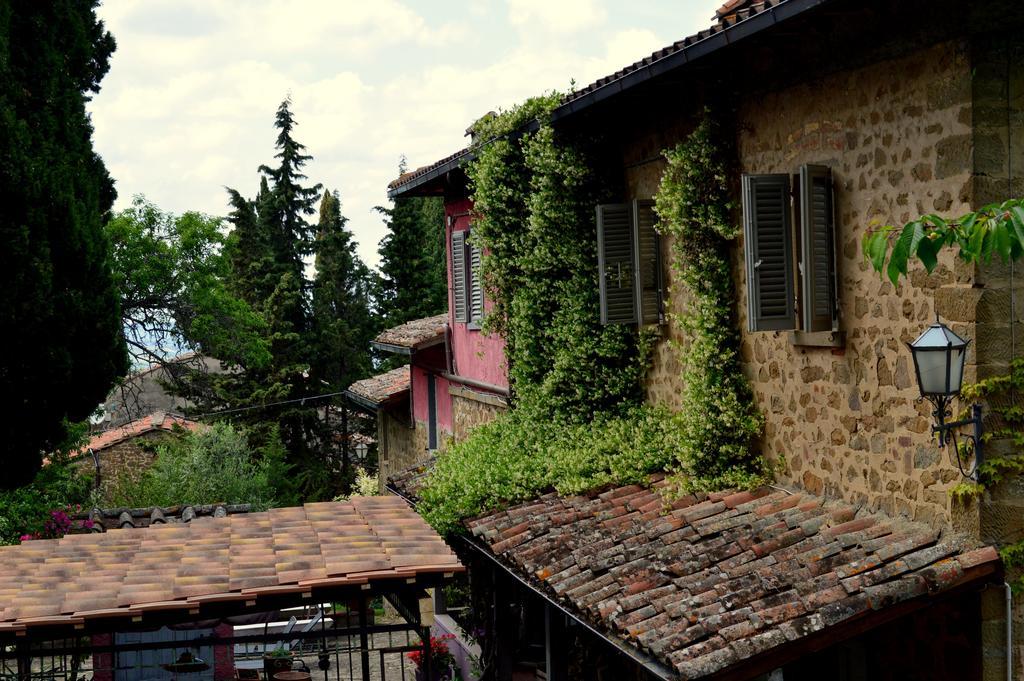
[188,105]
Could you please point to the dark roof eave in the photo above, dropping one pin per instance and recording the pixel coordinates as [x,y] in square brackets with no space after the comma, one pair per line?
[786,9]
[652,665]
[442,169]
[367,403]
[395,349]
[405,349]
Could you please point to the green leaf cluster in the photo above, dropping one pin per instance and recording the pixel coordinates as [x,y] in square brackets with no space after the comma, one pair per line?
[994,229]
[213,465]
[534,195]
[718,418]
[519,456]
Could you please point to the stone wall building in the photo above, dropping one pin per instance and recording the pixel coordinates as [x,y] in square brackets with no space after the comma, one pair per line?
[906,109]
[120,456]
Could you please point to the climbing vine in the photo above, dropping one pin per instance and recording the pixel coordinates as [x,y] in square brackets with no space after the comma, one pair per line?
[579,421]
[718,419]
[534,196]
[1007,426]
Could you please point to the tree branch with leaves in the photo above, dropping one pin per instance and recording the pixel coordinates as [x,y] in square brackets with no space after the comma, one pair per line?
[993,229]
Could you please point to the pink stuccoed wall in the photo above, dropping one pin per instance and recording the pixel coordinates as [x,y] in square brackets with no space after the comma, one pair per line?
[475,355]
[431,361]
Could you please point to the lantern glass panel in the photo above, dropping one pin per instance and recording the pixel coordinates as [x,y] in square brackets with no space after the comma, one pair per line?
[939,356]
[931,367]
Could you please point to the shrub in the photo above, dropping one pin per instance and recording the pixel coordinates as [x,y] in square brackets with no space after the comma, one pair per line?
[208,466]
[29,510]
[519,456]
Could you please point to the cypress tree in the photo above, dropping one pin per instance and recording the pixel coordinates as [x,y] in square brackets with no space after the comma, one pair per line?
[343,323]
[413,261]
[342,319]
[59,313]
[269,241]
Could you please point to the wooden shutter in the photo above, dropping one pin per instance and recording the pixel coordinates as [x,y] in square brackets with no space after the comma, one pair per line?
[769,253]
[648,262]
[615,261]
[817,239]
[476,289]
[459,275]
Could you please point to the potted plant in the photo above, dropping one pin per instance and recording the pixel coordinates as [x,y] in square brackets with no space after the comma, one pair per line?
[441,660]
[277,660]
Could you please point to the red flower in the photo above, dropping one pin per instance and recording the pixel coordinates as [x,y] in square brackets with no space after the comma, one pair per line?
[439,653]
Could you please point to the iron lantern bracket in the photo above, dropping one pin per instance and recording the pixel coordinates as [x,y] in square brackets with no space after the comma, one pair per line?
[947,432]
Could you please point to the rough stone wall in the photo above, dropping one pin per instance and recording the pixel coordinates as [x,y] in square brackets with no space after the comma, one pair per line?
[471,409]
[122,465]
[897,135]
[998,91]
[399,445]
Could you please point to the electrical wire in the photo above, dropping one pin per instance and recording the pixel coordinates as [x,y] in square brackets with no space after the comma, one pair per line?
[267,405]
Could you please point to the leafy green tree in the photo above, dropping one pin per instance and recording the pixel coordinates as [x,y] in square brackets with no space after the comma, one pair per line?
[171,273]
[214,465]
[59,315]
[413,260]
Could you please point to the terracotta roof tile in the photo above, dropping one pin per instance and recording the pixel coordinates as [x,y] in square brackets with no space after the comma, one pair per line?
[123,572]
[155,421]
[384,387]
[711,582]
[103,519]
[415,334]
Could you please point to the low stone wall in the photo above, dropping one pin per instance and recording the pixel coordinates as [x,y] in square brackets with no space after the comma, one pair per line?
[471,408]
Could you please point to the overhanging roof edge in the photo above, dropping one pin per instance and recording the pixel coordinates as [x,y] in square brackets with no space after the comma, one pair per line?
[786,9]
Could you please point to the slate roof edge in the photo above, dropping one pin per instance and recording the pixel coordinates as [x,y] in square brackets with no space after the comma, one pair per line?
[628,77]
[648,662]
[987,569]
[720,37]
[791,651]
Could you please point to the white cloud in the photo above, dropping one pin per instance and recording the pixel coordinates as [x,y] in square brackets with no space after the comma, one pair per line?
[561,16]
[188,105]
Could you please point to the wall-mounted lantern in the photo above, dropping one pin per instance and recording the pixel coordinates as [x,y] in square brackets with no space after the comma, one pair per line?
[939,356]
[361,449]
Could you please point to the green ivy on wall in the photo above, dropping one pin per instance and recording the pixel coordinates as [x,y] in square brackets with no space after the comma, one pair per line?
[578,420]
[718,418]
[534,197]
